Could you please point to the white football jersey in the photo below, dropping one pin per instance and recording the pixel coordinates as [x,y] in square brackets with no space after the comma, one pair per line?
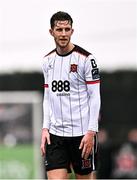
[72,93]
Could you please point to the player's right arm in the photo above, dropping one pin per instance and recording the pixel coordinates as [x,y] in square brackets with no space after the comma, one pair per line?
[45,138]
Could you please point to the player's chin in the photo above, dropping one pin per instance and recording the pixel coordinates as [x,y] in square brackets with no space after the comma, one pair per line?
[63,44]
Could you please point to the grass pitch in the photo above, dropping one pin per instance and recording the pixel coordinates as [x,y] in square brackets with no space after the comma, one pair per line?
[17,162]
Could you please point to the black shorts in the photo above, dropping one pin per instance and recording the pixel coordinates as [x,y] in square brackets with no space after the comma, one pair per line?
[64,152]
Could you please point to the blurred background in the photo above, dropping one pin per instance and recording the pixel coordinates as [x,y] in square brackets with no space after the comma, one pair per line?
[108,29]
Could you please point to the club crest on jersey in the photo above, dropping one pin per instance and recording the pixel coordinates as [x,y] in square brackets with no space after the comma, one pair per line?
[73,68]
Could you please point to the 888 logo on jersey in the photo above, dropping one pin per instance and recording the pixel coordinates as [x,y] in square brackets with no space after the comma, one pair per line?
[60,86]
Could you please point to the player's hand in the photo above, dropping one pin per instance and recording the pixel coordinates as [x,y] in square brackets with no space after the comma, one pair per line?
[87,143]
[44,139]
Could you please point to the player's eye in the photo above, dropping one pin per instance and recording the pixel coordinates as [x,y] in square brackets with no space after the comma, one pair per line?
[67,29]
[59,29]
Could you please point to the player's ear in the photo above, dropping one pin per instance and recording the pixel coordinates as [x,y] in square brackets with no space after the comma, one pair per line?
[72,31]
[51,32]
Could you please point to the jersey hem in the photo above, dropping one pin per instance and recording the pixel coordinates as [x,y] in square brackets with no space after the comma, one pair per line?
[66,135]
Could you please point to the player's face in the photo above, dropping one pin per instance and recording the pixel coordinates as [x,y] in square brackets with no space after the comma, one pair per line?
[62,32]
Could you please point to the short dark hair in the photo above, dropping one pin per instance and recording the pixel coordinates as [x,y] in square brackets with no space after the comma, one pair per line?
[60,16]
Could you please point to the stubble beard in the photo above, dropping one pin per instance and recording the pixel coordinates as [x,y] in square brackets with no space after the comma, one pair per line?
[62,45]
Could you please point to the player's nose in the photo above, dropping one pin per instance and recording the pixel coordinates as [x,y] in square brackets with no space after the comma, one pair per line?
[63,32]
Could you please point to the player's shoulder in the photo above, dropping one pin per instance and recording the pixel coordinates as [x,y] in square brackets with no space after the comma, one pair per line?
[50,53]
[82,51]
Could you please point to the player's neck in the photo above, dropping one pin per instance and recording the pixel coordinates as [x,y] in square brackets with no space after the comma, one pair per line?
[65,50]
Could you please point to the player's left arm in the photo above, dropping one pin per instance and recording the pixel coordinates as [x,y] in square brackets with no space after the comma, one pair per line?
[92,79]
